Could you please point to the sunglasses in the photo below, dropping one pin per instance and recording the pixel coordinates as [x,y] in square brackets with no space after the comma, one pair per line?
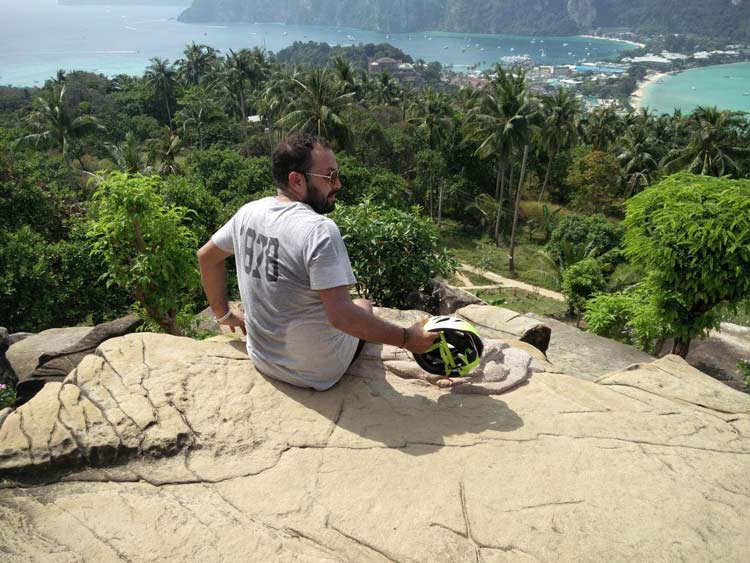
[332,178]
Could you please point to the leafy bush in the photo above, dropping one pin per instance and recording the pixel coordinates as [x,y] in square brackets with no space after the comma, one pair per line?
[7,396]
[743,368]
[580,282]
[207,209]
[691,233]
[393,252]
[145,245]
[228,175]
[594,235]
[593,177]
[631,317]
[46,284]
[380,185]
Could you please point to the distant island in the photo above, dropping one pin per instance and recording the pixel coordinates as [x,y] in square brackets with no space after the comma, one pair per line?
[123,2]
[728,19]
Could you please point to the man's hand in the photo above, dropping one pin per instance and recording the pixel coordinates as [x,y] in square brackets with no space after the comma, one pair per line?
[234,321]
[419,340]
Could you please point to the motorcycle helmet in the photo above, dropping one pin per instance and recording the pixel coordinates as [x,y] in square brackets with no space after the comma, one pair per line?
[456,352]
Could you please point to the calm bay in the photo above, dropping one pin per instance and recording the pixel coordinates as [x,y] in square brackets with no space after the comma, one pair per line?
[725,86]
[38,37]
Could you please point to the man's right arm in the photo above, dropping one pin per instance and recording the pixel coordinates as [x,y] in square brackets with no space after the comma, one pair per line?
[211,261]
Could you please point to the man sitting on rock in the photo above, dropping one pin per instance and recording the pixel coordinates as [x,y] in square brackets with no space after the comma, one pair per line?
[294,275]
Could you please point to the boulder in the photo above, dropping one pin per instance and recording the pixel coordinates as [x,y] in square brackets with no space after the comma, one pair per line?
[7,375]
[24,355]
[496,322]
[54,364]
[170,449]
[718,353]
[442,299]
[586,355]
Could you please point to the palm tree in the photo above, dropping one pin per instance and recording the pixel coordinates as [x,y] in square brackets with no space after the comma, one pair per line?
[52,123]
[319,107]
[559,119]
[488,124]
[345,73]
[164,151]
[197,65]
[385,90]
[431,114]
[522,111]
[197,111]
[161,80]
[243,72]
[281,89]
[714,144]
[128,155]
[600,127]
[639,156]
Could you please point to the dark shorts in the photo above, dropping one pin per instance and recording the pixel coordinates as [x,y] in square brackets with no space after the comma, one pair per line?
[357,351]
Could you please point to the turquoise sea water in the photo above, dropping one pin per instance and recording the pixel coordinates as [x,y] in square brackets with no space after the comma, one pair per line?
[724,86]
[37,37]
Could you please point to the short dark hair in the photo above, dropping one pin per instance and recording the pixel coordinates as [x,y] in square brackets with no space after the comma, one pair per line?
[294,154]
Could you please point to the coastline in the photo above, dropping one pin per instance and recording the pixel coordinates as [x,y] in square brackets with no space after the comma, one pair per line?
[637,96]
[634,43]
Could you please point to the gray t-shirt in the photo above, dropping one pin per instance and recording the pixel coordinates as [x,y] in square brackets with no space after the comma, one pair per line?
[284,253]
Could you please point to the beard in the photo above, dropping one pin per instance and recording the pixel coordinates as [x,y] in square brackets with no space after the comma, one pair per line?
[318,201]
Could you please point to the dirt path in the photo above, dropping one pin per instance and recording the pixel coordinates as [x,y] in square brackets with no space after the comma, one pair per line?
[507,282]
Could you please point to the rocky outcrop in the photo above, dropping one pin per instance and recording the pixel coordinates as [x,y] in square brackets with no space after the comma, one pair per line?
[52,354]
[169,449]
[24,355]
[582,12]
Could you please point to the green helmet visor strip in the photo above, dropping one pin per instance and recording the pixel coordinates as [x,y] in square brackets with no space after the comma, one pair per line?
[449,357]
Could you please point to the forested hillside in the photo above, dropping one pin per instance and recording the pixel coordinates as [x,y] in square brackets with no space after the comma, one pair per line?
[728,19]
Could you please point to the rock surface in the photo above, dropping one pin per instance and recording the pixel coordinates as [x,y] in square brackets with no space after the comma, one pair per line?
[194,456]
[586,355]
[24,355]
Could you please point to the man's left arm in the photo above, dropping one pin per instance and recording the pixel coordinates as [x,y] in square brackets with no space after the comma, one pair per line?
[346,316]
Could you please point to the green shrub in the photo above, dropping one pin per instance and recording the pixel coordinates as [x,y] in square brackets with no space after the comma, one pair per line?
[145,245]
[229,176]
[580,282]
[691,234]
[743,368]
[47,284]
[594,235]
[7,396]
[393,252]
[208,212]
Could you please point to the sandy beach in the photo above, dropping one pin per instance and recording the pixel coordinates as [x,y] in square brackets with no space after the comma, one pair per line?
[634,43]
[635,97]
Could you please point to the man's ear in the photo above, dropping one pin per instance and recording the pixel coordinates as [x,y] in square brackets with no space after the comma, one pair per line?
[296,183]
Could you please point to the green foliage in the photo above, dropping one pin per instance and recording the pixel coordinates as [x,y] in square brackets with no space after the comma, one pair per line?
[392,252]
[631,317]
[207,210]
[45,283]
[580,282]
[743,369]
[314,54]
[692,233]
[593,177]
[593,235]
[228,175]
[378,184]
[7,396]
[145,245]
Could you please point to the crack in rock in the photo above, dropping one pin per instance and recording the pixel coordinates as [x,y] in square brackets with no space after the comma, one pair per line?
[378,551]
